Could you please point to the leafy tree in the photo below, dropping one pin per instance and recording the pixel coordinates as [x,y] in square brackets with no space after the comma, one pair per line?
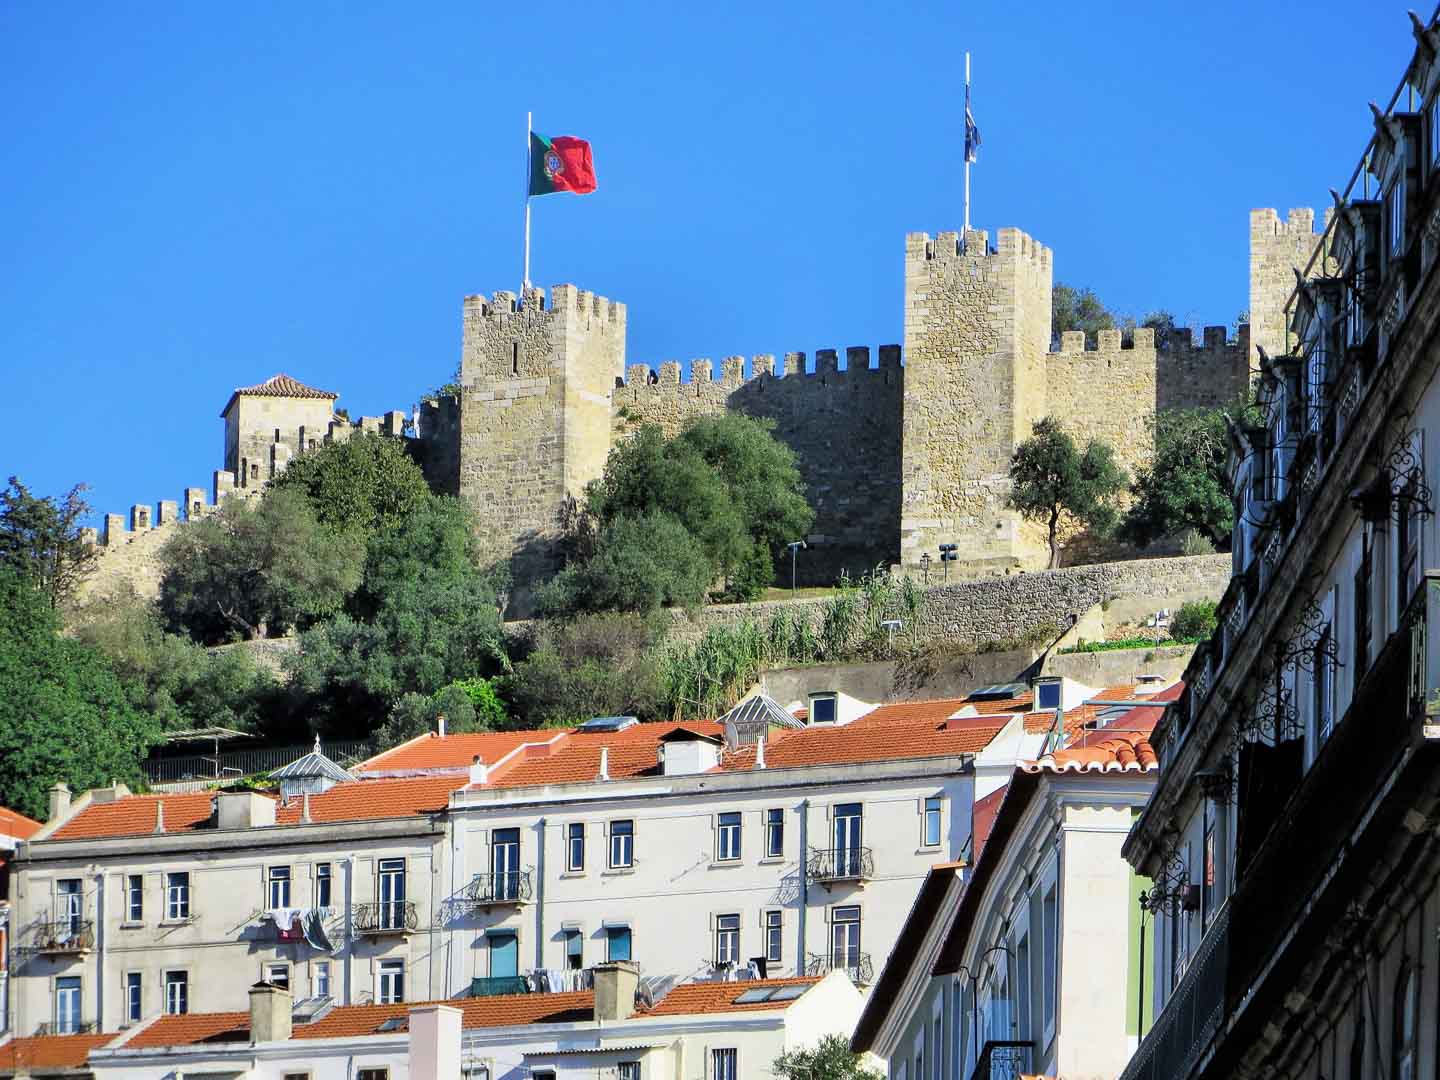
[64,714]
[255,568]
[829,1059]
[167,675]
[489,709]
[467,705]
[1051,478]
[41,538]
[639,564]
[1186,486]
[1194,620]
[593,665]
[1077,309]
[367,482]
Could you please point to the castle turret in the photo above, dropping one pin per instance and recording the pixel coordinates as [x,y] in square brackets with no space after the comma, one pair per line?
[977,327]
[535,414]
[267,424]
[1277,249]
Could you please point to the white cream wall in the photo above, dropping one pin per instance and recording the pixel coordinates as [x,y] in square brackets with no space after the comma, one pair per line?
[224,945]
[677,887]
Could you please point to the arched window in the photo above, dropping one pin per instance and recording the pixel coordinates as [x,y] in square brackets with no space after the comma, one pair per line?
[1407,1007]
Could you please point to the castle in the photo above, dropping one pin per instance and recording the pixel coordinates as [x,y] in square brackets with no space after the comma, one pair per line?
[898,457]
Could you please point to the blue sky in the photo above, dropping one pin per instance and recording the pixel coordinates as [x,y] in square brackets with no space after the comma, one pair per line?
[194,196]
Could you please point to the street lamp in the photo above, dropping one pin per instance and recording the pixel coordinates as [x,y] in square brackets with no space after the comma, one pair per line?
[948,554]
[891,625]
[925,566]
[794,546]
[974,977]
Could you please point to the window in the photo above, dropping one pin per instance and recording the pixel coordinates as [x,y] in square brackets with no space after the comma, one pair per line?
[727,940]
[617,943]
[278,887]
[574,950]
[1323,687]
[391,894]
[1434,111]
[575,847]
[931,832]
[1407,1006]
[1209,891]
[1407,547]
[1049,913]
[67,1004]
[774,936]
[322,884]
[628,1070]
[177,992]
[391,975]
[725,1065]
[845,939]
[372,1074]
[135,898]
[134,997]
[1395,213]
[822,709]
[774,834]
[1047,696]
[277,975]
[1362,607]
[504,955]
[321,985]
[1023,1004]
[69,903]
[727,837]
[177,895]
[622,844]
[847,831]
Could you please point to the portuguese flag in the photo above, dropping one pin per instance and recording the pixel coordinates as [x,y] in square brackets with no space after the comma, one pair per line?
[560,164]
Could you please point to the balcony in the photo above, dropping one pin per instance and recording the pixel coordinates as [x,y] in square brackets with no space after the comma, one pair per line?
[1003,1060]
[856,965]
[70,937]
[499,984]
[488,890]
[386,917]
[840,864]
[62,1027]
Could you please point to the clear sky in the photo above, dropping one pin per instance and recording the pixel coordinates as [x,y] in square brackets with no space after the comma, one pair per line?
[195,196]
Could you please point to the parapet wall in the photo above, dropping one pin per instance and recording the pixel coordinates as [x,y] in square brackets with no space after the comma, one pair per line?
[843,425]
[1277,249]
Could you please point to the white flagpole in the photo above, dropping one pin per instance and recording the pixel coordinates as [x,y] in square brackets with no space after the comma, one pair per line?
[967,158]
[526,280]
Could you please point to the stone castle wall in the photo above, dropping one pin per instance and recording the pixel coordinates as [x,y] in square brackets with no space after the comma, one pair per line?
[844,426]
[1277,249]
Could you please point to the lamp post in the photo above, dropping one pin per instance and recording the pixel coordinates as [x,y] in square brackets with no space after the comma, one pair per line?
[795,546]
[948,554]
[891,625]
[925,567]
[974,977]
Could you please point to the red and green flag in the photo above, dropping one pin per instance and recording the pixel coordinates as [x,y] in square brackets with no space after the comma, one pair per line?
[560,164]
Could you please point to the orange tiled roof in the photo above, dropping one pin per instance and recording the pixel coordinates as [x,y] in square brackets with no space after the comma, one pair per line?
[364,800]
[13,823]
[982,818]
[719,997]
[863,741]
[1122,745]
[283,386]
[49,1052]
[432,752]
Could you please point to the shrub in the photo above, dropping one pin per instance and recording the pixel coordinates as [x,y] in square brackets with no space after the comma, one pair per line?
[1194,621]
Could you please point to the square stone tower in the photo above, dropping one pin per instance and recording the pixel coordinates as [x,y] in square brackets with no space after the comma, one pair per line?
[534,416]
[1277,249]
[269,423]
[977,328]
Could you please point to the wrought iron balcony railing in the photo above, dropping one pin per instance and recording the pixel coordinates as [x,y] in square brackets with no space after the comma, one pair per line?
[855,964]
[66,1027]
[509,887]
[64,936]
[840,864]
[1002,1059]
[386,917]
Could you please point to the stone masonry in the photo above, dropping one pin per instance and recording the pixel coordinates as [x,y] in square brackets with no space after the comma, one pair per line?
[1277,249]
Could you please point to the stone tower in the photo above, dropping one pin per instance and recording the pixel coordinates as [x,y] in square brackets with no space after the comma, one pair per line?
[977,328]
[269,423]
[1277,249]
[534,417]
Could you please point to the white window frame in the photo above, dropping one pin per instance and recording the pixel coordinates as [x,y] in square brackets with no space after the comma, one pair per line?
[729,827]
[622,844]
[321,979]
[273,967]
[730,1055]
[929,813]
[134,898]
[390,981]
[1024,990]
[773,924]
[177,991]
[324,872]
[277,887]
[1049,953]
[63,1019]
[177,895]
[727,939]
[133,980]
[574,832]
[775,830]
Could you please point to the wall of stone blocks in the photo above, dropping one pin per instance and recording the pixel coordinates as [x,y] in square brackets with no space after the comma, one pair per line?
[1277,249]
[843,425]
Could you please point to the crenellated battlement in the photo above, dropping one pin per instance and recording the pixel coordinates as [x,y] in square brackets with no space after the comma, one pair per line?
[1010,243]
[762,366]
[1277,247]
[1214,339]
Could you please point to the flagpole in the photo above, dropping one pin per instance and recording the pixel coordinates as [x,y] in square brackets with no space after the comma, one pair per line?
[967,158]
[525,281]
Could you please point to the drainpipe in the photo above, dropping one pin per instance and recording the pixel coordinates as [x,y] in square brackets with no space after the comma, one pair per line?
[99,951]
[349,924]
[540,893]
[804,887]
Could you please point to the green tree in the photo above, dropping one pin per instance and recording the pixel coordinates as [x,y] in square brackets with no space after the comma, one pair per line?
[64,714]
[1194,621]
[256,568]
[40,538]
[1077,309]
[1186,485]
[1051,479]
[367,483]
[829,1059]
[639,564]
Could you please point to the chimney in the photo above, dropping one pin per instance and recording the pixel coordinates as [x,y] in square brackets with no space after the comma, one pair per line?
[615,984]
[479,771]
[440,725]
[435,1042]
[269,1013]
[305,808]
[159,815]
[760,752]
[59,801]
[245,810]
[604,763]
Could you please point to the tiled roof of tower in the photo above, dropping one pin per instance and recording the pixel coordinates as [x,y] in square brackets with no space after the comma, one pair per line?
[13,823]
[362,801]
[48,1053]
[281,385]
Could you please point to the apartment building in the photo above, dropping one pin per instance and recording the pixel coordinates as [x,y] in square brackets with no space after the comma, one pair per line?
[718,1031]
[13,829]
[1029,965]
[1292,838]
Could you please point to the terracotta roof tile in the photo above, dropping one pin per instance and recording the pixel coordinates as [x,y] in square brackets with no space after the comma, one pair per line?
[982,818]
[861,742]
[48,1052]
[718,997]
[450,751]
[283,386]
[17,825]
[1121,745]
